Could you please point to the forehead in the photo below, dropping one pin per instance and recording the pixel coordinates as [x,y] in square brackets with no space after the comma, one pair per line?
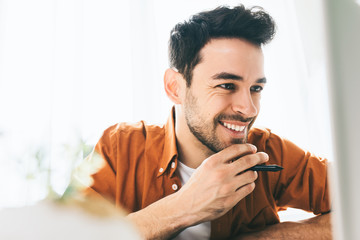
[233,55]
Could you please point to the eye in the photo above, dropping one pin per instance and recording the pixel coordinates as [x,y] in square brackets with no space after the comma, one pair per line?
[256,88]
[227,86]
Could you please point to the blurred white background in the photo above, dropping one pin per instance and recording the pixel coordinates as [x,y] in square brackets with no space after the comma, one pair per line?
[71,68]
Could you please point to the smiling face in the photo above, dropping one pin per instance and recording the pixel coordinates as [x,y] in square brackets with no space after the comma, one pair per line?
[224,97]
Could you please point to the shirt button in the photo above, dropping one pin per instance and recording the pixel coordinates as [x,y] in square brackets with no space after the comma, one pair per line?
[161,170]
[174,187]
[173,165]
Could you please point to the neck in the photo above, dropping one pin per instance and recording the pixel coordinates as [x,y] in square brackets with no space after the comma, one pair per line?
[191,151]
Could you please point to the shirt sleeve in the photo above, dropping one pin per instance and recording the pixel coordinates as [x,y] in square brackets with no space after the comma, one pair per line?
[303,183]
[104,180]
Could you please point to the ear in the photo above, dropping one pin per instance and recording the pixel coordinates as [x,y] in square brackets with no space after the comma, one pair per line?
[173,84]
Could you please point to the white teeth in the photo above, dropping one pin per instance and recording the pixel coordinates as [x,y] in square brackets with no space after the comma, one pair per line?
[234,127]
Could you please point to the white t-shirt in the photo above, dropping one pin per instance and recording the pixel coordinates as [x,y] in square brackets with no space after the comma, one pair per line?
[202,230]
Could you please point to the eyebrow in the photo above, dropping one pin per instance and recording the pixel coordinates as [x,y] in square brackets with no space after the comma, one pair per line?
[231,76]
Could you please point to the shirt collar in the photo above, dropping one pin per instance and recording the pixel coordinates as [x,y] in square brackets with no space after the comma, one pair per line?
[170,153]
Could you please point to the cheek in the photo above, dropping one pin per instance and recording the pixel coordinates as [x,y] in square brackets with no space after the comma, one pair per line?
[256,101]
[218,102]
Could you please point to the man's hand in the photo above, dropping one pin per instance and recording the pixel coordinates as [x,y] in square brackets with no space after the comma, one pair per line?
[219,183]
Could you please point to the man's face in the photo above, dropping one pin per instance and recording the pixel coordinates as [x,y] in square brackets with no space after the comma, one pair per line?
[224,97]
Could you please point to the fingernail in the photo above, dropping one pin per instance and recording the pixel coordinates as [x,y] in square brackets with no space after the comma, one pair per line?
[254,148]
[267,156]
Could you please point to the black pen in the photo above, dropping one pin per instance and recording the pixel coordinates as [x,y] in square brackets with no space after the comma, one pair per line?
[267,168]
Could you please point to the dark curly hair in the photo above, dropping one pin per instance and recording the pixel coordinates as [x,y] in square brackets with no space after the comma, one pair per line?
[189,37]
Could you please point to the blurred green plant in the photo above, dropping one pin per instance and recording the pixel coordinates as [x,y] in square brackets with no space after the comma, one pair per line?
[78,155]
[36,164]
[81,175]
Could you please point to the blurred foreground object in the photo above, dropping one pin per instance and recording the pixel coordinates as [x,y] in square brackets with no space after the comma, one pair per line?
[343,24]
[72,219]
[74,215]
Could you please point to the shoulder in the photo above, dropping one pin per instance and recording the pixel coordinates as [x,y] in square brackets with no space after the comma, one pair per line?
[277,147]
[125,131]
[124,141]
[257,133]
[281,150]
[264,137]
[130,138]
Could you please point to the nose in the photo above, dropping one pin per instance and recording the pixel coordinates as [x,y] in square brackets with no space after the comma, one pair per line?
[243,103]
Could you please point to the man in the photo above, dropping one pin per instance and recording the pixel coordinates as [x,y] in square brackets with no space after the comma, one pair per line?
[190,179]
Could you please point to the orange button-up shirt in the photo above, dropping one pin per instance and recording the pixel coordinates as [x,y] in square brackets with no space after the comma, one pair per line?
[141,162]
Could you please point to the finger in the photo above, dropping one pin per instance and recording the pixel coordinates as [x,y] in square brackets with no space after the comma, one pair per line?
[243,179]
[234,152]
[243,191]
[233,184]
[248,161]
[239,187]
